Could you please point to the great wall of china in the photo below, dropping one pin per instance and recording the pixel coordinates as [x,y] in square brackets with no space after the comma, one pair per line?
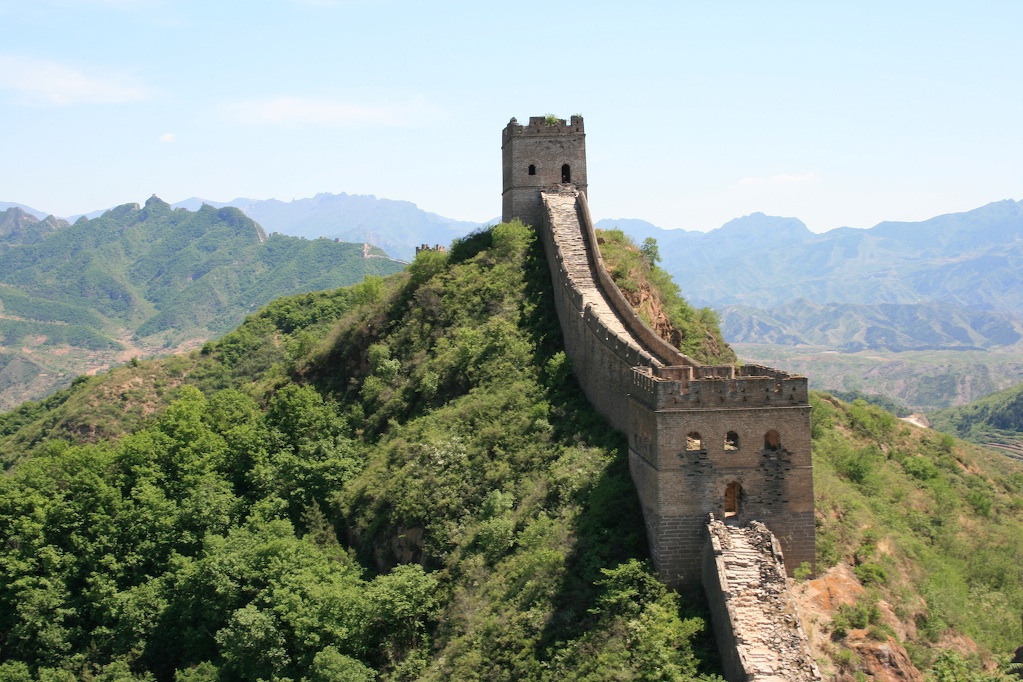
[720,455]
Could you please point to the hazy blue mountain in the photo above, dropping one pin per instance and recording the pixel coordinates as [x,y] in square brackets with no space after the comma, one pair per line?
[4,205]
[970,260]
[853,327]
[395,226]
[639,230]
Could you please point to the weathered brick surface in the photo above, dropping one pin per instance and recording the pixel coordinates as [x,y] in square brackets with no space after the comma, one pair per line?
[755,622]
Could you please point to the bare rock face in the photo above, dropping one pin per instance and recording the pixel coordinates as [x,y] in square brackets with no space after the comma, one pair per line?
[884,661]
[818,602]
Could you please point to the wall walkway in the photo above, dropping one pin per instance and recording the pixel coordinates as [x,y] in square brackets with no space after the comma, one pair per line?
[603,336]
[755,623]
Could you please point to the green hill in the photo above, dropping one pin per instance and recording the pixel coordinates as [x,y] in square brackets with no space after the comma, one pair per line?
[139,280]
[994,420]
[401,480]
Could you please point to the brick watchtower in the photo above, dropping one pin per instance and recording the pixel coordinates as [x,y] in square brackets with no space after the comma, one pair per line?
[546,153]
[732,441]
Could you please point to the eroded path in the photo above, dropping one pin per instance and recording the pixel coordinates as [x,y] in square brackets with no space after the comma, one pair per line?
[768,638]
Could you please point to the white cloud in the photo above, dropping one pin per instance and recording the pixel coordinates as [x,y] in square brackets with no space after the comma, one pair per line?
[781,179]
[289,111]
[41,81]
[168,137]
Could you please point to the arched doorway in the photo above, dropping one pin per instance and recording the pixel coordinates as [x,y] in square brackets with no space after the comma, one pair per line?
[733,499]
[532,169]
[772,441]
[566,173]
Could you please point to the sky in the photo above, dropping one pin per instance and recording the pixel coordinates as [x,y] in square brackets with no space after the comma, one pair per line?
[836,113]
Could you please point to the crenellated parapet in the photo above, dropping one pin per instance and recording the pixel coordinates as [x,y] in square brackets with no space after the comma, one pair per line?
[717,387]
[545,125]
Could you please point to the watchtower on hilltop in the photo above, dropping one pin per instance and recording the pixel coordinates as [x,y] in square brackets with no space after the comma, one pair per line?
[547,153]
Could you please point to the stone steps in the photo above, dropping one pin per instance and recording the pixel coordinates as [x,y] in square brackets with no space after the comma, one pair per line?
[579,263]
[765,626]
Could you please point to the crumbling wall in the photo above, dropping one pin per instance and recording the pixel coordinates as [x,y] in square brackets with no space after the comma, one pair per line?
[755,622]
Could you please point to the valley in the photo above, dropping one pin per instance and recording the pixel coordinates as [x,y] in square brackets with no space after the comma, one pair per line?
[922,381]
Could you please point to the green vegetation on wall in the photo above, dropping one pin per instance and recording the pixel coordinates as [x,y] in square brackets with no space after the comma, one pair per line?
[658,300]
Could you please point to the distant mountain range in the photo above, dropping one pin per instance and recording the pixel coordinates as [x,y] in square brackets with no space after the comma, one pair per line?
[395,226]
[852,327]
[954,281]
[970,260]
[964,270]
[138,280]
[4,205]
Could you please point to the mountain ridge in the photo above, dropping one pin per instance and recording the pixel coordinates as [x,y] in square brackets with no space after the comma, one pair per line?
[971,259]
[142,279]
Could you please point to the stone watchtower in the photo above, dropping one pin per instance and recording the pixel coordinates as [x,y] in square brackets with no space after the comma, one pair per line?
[546,153]
[732,441]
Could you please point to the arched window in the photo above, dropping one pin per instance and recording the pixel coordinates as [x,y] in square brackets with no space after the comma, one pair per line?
[731,441]
[772,441]
[693,441]
[532,169]
[566,173]
[733,499]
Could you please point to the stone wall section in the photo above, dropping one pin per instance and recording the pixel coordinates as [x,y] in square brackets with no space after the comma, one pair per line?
[657,396]
[701,445]
[603,344]
[755,622]
[652,392]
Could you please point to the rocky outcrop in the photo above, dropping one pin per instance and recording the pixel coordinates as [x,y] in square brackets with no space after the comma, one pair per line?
[820,600]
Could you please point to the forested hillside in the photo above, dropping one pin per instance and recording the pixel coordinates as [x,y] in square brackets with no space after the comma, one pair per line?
[400,477]
[140,280]
[401,480]
[930,528]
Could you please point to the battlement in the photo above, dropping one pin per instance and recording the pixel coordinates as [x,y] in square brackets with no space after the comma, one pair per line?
[705,387]
[541,125]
